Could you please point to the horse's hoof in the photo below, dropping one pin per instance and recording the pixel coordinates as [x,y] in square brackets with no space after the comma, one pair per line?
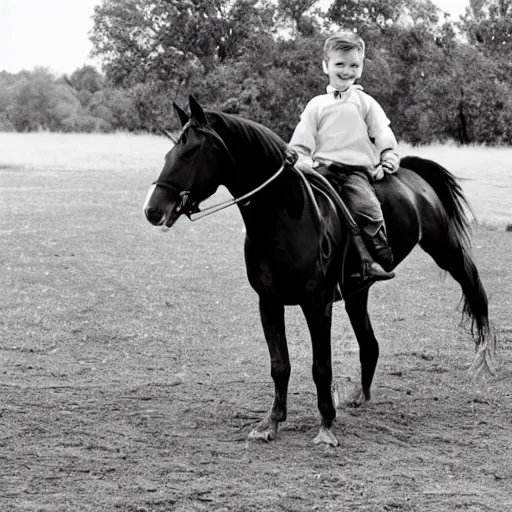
[265,431]
[356,399]
[262,435]
[326,436]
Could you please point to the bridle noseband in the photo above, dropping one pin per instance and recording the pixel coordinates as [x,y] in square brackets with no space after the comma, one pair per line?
[191,208]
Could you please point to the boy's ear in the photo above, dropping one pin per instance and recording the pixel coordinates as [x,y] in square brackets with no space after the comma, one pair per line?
[360,71]
[324,67]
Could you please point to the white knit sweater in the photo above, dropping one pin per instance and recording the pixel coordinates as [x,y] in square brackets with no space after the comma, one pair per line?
[349,129]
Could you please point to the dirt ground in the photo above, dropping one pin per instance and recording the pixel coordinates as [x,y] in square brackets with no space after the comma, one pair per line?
[133,366]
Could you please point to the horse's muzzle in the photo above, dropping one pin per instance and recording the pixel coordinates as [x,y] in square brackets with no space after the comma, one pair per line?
[158,210]
[155,216]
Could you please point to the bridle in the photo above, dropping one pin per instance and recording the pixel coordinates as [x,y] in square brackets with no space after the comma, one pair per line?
[190,208]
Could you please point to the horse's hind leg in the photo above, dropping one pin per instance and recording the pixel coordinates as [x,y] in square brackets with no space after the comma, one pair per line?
[272,319]
[356,306]
[451,255]
[318,315]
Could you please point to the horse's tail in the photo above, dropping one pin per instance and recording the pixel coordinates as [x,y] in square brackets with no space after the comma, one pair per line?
[474,298]
[449,192]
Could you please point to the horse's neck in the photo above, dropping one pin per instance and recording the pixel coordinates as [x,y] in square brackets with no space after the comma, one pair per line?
[283,204]
[256,161]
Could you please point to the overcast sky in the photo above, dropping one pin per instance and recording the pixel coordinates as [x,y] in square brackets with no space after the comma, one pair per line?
[54,33]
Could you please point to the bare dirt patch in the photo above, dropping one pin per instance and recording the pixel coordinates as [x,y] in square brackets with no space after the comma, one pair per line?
[133,367]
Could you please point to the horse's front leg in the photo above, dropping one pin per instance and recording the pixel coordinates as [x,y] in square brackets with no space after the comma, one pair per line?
[318,315]
[272,319]
[356,306]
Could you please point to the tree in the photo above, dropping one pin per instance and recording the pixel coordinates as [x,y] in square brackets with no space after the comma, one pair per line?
[488,26]
[364,15]
[38,101]
[167,40]
[86,78]
[262,59]
[296,12]
[116,107]
[272,90]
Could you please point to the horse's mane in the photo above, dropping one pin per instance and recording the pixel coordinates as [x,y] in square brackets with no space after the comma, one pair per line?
[254,133]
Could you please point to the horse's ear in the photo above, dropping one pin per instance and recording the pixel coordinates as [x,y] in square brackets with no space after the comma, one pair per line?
[196,111]
[181,114]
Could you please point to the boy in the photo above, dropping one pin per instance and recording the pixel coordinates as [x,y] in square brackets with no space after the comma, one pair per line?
[347,132]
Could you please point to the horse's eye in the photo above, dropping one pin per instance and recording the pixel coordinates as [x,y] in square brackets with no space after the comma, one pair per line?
[188,152]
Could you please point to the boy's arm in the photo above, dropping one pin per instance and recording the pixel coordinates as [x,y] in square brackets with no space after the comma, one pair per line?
[383,137]
[389,157]
[303,140]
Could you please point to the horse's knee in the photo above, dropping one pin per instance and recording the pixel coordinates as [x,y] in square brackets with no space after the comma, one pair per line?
[280,372]
[369,350]
[322,373]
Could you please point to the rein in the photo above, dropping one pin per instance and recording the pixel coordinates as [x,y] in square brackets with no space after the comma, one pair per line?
[191,209]
[230,202]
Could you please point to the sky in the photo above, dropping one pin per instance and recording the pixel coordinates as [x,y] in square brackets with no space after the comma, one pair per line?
[54,33]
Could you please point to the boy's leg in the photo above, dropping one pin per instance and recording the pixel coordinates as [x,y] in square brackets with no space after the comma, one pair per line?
[362,202]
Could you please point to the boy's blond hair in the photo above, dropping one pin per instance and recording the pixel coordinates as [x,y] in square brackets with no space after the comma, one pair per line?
[344,41]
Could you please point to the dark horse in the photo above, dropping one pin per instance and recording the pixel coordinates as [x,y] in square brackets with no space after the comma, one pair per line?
[298,251]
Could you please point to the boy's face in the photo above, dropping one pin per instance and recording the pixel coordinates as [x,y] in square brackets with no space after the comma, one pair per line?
[343,68]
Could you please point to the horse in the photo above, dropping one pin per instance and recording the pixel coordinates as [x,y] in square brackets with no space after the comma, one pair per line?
[298,250]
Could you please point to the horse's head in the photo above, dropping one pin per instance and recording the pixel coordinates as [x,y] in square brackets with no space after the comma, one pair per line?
[191,172]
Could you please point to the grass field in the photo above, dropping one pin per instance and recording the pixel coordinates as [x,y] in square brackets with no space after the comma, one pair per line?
[487,172]
[133,363]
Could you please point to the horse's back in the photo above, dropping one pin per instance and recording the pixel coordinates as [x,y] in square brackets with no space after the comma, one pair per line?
[412,211]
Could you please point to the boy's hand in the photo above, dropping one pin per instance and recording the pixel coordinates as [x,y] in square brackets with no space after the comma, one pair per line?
[388,167]
[291,156]
[385,167]
[379,173]
[304,163]
[389,161]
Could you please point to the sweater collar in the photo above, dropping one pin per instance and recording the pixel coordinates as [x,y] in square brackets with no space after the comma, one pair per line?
[337,94]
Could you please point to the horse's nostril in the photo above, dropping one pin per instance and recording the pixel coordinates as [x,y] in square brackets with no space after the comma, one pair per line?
[154,215]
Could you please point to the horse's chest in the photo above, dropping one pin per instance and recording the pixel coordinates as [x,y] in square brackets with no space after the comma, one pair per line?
[283,269]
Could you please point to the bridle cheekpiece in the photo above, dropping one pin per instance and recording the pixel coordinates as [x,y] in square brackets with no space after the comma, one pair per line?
[191,208]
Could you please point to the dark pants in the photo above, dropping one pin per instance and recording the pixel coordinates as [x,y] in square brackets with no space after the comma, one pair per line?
[353,184]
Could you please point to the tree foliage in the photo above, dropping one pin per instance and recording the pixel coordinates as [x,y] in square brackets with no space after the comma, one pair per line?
[170,39]
[262,59]
[488,26]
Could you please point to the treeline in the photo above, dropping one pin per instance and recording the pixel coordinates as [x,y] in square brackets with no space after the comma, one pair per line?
[83,102]
[436,78]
